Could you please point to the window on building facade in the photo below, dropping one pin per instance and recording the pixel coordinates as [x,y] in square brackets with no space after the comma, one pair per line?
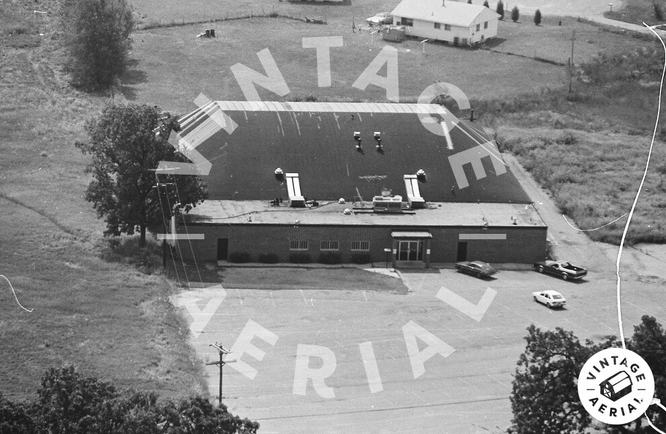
[478,27]
[299,245]
[447,27]
[407,22]
[329,245]
[485,25]
[360,246]
[438,25]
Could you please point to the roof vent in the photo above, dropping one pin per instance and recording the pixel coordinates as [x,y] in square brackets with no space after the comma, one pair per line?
[387,204]
[413,192]
[294,191]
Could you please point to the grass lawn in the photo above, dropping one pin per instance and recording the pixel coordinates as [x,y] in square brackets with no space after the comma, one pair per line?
[552,42]
[166,56]
[638,11]
[106,318]
[309,278]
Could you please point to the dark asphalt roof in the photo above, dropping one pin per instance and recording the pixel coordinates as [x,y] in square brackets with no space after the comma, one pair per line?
[316,140]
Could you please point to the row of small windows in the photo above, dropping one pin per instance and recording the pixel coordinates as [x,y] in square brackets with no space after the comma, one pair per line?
[329,245]
[448,27]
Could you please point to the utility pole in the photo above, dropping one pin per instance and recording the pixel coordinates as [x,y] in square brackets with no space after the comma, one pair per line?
[571,61]
[221,362]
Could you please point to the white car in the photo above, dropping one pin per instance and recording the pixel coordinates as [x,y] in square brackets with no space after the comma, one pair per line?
[380,18]
[550,298]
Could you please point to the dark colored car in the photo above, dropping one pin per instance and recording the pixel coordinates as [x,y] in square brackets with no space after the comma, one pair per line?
[561,269]
[476,268]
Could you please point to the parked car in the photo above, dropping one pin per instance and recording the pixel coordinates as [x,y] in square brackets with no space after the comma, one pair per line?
[550,298]
[380,18]
[562,269]
[476,268]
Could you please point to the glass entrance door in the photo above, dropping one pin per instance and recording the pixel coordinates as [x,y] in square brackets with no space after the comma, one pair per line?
[410,250]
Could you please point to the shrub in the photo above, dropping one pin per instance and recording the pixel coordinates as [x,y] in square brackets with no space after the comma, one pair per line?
[300,258]
[485,3]
[500,9]
[97,40]
[515,14]
[658,11]
[361,258]
[330,258]
[567,138]
[67,402]
[240,257]
[537,17]
[269,258]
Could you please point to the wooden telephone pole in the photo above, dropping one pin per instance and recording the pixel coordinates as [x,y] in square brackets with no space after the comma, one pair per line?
[221,362]
[571,61]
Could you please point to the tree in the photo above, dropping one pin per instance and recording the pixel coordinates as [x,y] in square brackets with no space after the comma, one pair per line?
[68,402]
[97,39]
[544,396]
[500,9]
[485,3]
[469,2]
[649,341]
[515,14]
[658,11]
[125,152]
[537,17]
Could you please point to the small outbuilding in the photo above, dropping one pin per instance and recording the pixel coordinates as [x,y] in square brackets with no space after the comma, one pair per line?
[445,20]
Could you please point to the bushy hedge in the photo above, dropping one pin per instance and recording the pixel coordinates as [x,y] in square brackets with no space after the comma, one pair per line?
[268,258]
[361,258]
[240,257]
[300,258]
[330,258]
[67,402]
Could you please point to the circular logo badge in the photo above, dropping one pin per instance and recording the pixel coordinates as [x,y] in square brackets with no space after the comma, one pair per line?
[616,386]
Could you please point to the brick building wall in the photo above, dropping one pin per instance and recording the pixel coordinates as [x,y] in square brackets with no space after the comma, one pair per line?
[520,244]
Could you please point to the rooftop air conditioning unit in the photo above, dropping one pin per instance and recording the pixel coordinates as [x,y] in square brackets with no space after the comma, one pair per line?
[387,204]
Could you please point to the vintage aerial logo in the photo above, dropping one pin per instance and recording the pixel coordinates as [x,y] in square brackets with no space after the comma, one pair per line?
[616,386]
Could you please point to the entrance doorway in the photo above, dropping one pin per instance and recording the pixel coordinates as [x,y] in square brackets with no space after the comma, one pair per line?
[462,251]
[222,249]
[410,250]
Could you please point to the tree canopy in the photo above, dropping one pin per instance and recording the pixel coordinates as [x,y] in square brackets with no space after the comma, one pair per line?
[544,398]
[97,39]
[68,402]
[125,152]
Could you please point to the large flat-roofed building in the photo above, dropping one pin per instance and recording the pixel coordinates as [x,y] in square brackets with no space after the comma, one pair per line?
[358,181]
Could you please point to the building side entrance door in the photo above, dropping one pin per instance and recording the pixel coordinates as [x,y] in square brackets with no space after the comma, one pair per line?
[462,251]
[222,249]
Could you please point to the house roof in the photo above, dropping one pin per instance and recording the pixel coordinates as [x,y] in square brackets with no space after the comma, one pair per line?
[253,212]
[439,11]
[316,140]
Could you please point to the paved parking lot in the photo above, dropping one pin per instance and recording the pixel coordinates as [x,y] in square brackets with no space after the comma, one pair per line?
[466,391]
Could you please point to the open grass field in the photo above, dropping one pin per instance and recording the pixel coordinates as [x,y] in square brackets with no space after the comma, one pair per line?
[206,64]
[593,178]
[106,318]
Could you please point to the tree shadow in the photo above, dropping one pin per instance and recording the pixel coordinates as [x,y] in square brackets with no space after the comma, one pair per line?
[131,77]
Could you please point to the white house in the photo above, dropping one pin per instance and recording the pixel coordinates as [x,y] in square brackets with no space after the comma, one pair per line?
[444,20]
